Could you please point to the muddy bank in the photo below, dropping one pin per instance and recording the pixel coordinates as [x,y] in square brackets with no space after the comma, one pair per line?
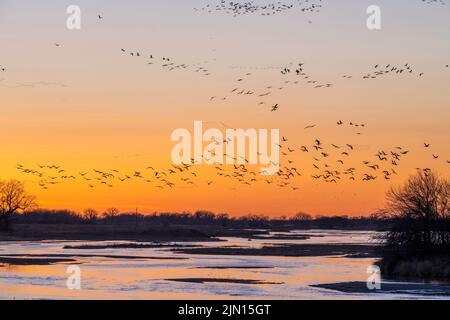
[281,237]
[127,246]
[50,259]
[360,287]
[37,232]
[288,250]
[222,280]
[62,255]
[26,261]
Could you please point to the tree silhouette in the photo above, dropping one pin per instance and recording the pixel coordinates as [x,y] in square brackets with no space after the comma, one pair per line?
[421,210]
[13,199]
[90,215]
[111,213]
[302,216]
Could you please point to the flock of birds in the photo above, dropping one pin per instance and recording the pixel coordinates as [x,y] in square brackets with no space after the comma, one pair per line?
[237,8]
[167,63]
[241,8]
[292,75]
[441,2]
[319,160]
[328,162]
[389,69]
[295,74]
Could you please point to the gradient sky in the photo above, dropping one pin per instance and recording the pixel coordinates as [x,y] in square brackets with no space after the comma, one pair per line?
[85,105]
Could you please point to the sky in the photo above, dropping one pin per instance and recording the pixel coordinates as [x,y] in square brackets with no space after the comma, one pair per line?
[85,104]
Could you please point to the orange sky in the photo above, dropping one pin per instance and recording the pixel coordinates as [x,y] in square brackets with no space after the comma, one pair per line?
[85,105]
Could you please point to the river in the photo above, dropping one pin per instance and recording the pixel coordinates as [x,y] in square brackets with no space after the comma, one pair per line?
[163,274]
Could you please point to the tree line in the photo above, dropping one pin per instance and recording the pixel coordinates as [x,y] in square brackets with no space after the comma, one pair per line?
[112,216]
[416,215]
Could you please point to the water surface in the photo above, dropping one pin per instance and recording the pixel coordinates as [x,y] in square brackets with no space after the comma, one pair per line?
[123,278]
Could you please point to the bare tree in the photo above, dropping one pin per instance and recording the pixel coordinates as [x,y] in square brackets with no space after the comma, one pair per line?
[13,199]
[90,215]
[111,213]
[302,216]
[422,211]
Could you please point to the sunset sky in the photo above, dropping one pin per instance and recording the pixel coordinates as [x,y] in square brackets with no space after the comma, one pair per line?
[86,105]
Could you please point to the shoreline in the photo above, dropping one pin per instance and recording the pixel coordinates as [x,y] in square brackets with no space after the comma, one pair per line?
[147,233]
[397,288]
[289,250]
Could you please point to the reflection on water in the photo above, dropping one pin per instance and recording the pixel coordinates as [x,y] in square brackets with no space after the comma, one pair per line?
[123,278]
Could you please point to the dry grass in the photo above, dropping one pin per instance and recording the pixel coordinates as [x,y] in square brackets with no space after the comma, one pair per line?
[424,268]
